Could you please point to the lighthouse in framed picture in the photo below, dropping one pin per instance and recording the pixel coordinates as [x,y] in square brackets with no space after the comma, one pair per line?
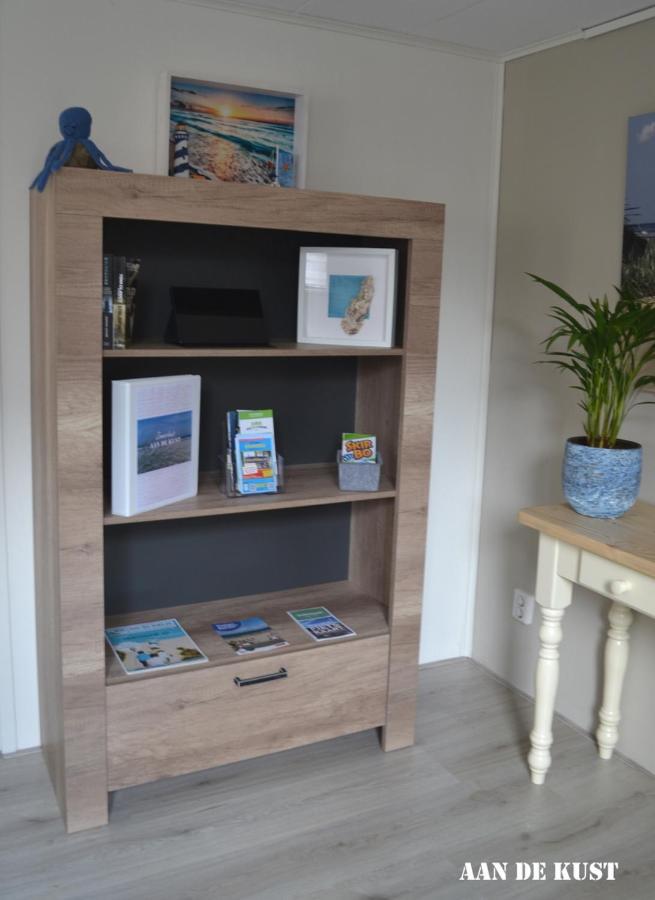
[214,131]
[638,256]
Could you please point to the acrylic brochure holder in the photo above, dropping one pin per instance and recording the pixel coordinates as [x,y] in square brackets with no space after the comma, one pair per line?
[227,482]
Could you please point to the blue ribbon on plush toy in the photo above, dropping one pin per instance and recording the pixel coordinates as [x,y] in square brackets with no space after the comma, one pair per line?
[75,127]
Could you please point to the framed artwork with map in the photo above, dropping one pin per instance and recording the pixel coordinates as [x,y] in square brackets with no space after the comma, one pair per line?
[347,296]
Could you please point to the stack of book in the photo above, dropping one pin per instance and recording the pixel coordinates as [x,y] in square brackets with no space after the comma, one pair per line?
[251,455]
[119,274]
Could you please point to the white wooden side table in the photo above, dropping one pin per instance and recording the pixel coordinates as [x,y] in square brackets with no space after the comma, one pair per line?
[614,558]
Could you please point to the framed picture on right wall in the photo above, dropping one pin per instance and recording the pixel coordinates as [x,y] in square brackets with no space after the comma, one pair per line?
[347,295]
[638,256]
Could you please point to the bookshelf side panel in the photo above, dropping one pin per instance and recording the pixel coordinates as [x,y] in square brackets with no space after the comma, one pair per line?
[411,511]
[44,481]
[78,275]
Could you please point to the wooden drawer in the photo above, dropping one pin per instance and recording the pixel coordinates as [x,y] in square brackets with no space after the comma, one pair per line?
[609,578]
[192,720]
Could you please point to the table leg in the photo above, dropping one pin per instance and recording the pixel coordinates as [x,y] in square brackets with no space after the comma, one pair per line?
[547,675]
[616,661]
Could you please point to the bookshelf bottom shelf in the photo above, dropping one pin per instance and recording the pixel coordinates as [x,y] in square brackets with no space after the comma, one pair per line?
[169,723]
[363,613]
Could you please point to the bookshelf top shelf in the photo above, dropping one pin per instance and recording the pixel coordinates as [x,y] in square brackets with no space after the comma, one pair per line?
[310,485]
[157,349]
[361,612]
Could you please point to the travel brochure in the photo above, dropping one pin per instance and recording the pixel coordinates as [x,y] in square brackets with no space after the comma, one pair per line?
[251,453]
[249,635]
[319,623]
[153,645]
[254,634]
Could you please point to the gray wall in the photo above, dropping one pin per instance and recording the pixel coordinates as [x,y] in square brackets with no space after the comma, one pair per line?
[561,208]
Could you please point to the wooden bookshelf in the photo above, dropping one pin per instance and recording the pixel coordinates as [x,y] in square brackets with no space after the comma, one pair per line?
[312,485]
[359,554]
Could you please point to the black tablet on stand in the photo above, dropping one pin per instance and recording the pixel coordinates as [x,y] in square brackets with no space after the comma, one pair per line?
[216,317]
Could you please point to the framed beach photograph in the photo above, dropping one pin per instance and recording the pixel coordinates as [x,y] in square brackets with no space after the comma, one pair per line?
[347,296]
[215,131]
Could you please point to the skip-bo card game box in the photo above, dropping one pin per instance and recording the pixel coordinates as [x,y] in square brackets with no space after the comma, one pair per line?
[360,448]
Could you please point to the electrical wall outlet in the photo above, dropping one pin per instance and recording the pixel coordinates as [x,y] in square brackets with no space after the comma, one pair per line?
[523,607]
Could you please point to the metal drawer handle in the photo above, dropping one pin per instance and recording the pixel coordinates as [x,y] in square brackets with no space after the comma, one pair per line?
[260,679]
[619,587]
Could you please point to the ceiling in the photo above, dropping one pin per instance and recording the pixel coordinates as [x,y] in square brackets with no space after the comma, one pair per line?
[494,27]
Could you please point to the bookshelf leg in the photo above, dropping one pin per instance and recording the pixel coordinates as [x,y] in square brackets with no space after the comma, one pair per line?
[398,732]
[391,739]
[85,795]
[82,817]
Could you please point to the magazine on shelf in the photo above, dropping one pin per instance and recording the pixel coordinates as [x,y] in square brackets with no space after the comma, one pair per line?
[257,642]
[319,623]
[155,426]
[153,646]
[249,635]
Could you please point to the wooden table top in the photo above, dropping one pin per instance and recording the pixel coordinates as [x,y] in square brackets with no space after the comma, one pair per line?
[629,541]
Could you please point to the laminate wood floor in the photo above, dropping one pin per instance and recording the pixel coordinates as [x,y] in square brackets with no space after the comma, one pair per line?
[344,821]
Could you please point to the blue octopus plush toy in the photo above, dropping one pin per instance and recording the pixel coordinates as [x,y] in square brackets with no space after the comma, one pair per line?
[77,148]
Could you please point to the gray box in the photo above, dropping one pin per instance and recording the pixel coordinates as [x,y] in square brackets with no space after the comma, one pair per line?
[359,476]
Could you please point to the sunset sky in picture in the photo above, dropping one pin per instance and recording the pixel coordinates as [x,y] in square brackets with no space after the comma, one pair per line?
[229,103]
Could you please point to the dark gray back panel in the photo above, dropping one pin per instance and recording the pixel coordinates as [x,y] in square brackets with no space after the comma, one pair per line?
[313,400]
[266,260]
[193,560]
[187,561]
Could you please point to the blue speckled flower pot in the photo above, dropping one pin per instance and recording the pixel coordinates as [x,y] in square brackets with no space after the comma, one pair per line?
[599,482]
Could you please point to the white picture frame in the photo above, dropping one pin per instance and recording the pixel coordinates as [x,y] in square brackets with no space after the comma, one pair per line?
[164,128]
[334,286]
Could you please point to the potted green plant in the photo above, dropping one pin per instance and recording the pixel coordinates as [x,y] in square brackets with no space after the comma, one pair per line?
[607,348]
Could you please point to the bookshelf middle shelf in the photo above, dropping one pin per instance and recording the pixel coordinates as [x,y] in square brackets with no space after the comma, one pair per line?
[284,349]
[360,611]
[306,485]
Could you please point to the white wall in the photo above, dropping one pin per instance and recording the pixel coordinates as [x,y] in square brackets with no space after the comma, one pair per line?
[561,216]
[384,119]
